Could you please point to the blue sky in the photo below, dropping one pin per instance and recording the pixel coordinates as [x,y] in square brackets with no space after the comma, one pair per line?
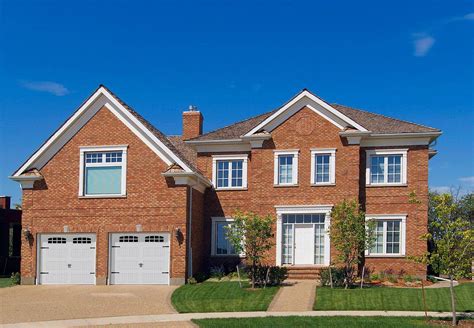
[413,60]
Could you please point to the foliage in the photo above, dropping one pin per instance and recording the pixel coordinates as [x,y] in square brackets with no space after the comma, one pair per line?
[337,275]
[251,234]
[201,276]
[192,281]
[226,296]
[15,278]
[351,236]
[217,272]
[270,275]
[452,239]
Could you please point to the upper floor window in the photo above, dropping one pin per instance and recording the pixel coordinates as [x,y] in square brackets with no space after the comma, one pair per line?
[389,235]
[286,167]
[229,172]
[386,167]
[323,166]
[103,171]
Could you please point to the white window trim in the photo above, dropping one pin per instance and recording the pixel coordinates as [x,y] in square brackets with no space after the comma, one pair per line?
[216,220]
[403,225]
[216,158]
[386,152]
[87,149]
[332,165]
[277,154]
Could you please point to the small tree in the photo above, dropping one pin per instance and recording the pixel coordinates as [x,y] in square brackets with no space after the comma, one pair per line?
[452,238]
[351,235]
[253,235]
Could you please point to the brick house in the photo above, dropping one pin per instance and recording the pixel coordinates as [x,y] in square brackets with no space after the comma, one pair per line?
[109,199]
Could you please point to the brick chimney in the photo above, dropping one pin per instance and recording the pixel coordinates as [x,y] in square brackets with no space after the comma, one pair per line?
[192,123]
[5,202]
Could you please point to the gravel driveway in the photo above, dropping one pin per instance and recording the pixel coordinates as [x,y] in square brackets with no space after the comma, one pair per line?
[41,303]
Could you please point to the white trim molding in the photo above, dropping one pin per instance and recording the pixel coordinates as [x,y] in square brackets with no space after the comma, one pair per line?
[216,158]
[403,227]
[386,152]
[332,165]
[276,166]
[303,209]
[216,220]
[88,149]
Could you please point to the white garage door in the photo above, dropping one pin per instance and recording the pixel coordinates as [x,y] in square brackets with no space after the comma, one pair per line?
[139,258]
[67,259]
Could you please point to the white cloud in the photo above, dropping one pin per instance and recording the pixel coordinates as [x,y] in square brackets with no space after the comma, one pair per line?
[423,44]
[54,88]
[467,180]
[469,16]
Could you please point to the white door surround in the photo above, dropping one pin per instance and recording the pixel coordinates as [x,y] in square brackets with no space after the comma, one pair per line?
[309,249]
[65,259]
[139,258]
[304,244]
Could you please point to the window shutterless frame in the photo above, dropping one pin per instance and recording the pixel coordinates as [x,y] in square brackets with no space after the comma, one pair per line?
[98,149]
[215,222]
[402,218]
[331,152]
[385,154]
[294,167]
[229,158]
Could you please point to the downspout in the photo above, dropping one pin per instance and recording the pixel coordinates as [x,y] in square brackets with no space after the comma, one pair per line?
[190,249]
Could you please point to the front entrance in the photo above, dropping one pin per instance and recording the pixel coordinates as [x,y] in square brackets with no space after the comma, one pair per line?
[304,239]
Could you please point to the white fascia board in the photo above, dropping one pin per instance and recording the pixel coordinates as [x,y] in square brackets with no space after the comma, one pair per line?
[303,209]
[309,95]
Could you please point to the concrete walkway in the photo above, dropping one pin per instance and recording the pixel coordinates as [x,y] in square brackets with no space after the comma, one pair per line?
[294,296]
[181,318]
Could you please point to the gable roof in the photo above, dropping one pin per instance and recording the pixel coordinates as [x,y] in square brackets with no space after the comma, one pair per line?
[151,136]
[375,123]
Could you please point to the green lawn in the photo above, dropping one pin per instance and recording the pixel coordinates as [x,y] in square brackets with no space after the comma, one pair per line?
[5,282]
[390,299]
[362,322]
[221,297]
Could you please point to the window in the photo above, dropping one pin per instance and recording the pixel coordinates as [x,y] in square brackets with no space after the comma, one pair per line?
[220,243]
[323,166]
[128,239]
[286,167]
[56,240]
[154,239]
[386,167]
[230,172]
[103,171]
[82,240]
[389,235]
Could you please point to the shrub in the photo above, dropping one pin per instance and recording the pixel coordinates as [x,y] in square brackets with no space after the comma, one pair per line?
[337,274]
[408,278]
[269,275]
[392,278]
[217,272]
[15,278]
[201,276]
[374,276]
[192,281]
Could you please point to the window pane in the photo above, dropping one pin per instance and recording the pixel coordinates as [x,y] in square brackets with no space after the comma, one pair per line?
[393,237]
[237,172]
[223,246]
[93,157]
[103,180]
[287,243]
[222,174]
[285,169]
[394,169]
[113,157]
[322,168]
[377,169]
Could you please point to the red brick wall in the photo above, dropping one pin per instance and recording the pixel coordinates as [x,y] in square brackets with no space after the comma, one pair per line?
[151,200]
[199,235]
[192,124]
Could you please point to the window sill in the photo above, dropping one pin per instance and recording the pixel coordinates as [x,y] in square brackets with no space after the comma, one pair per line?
[385,256]
[102,196]
[228,255]
[285,185]
[230,189]
[387,185]
[323,184]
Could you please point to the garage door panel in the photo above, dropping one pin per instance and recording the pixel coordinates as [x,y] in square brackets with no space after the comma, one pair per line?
[139,258]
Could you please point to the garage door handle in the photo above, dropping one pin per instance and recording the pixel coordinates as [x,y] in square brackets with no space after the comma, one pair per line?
[165,272]
[44,272]
[165,246]
[92,272]
[140,264]
[44,247]
[69,266]
[115,246]
[113,272]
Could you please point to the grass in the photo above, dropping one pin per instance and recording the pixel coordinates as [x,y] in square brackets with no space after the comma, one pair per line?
[362,322]
[5,282]
[221,297]
[391,299]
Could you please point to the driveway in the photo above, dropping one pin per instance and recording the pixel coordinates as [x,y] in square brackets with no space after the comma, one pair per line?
[41,303]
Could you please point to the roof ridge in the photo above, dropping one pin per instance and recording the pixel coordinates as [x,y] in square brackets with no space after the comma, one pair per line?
[385,116]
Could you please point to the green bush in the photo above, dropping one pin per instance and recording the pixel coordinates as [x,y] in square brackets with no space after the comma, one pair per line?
[217,272]
[192,281]
[337,277]
[374,276]
[201,276]
[269,275]
[15,278]
[408,278]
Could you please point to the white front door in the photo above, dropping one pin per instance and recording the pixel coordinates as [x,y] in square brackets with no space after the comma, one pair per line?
[304,244]
[66,259]
[139,258]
